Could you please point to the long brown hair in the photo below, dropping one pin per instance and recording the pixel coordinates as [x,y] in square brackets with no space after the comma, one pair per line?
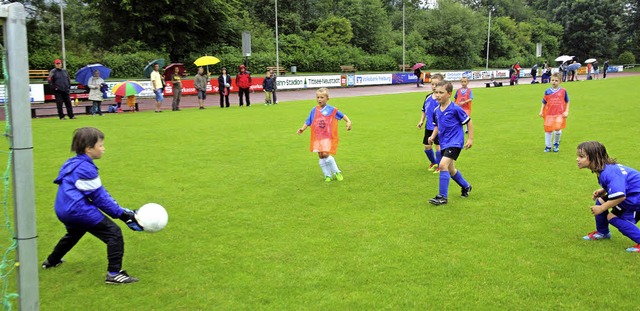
[597,155]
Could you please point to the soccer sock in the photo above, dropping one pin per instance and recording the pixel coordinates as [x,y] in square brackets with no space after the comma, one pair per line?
[331,163]
[438,156]
[444,183]
[602,224]
[113,273]
[430,155]
[459,179]
[547,139]
[325,167]
[627,228]
[557,135]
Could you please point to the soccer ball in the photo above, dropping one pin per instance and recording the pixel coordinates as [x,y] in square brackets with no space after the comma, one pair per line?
[152,217]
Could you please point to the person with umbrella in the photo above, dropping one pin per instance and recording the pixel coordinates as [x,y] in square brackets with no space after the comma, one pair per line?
[95,92]
[176,80]
[418,72]
[61,84]
[224,87]
[156,82]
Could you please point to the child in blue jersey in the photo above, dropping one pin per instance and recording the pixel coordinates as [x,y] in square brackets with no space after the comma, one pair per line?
[426,119]
[323,121]
[81,202]
[620,193]
[448,120]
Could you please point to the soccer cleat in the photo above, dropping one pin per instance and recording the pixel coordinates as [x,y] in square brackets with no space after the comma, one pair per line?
[465,191]
[121,278]
[634,249]
[547,149]
[438,200]
[437,171]
[47,265]
[339,176]
[433,166]
[595,235]
[327,179]
[556,147]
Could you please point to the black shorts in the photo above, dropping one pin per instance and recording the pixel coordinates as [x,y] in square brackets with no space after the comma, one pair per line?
[427,134]
[451,153]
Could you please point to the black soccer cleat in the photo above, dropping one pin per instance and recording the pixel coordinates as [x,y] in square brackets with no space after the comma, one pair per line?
[465,191]
[438,200]
[46,264]
[121,278]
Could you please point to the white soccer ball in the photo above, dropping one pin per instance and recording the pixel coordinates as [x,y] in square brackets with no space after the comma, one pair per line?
[152,217]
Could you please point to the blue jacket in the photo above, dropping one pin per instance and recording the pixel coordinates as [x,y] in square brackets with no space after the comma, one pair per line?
[81,195]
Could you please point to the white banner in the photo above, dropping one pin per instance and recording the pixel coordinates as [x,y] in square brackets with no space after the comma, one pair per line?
[325,81]
[36,93]
[287,83]
[373,79]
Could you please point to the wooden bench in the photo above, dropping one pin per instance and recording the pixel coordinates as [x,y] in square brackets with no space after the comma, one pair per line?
[404,68]
[348,68]
[39,74]
[280,70]
[52,110]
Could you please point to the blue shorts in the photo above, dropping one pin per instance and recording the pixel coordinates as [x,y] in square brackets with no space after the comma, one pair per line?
[202,94]
[159,95]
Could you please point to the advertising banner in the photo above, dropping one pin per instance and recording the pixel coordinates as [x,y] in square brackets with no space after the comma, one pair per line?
[404,78]
[481,75]
[373,79]
[36,93]
[501,74]
[323,81]
[287,83]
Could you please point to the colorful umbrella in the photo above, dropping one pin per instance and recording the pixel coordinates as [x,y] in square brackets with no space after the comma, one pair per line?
[169,70]
[418,65]
[590,60]
[206,61]
[149,67]
[85,73]
[127,88]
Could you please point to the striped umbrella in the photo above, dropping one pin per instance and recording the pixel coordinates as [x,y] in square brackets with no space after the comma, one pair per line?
[127,88]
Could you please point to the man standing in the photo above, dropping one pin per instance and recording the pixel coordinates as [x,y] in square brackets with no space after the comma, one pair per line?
[200,83]
[61,84]
[177,89]
[243,80]
[156,82]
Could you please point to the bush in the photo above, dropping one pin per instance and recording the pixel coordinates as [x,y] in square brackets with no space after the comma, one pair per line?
[130,65]
[626,58]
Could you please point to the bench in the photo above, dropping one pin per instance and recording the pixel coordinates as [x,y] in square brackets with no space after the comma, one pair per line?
[348,68]
[52,110]
[280,70]
[39,74]
[404,68]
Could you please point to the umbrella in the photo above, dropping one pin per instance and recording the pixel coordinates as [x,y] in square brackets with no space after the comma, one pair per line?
[168,71]
[149,67]
[127,88]
[206,61]
[574,66]
[590,60]
[564,58]
[85,73]
[418,65]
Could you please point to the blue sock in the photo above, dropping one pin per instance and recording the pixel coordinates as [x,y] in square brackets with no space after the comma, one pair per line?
[113,273]
[444,183]
[430,155]
[602,224]
[460,180]
[438,156]
[629,229]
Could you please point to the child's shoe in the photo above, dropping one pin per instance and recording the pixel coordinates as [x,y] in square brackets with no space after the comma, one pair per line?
[121,278]
[46,264]
[556,147]
[437,170]
[433,166]
[595,235]
[327,179]
[465,191]
[339,176]
[634,249]
[438,200]
[547,149]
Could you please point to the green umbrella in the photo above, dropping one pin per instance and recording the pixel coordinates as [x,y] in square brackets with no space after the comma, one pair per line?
[149,67]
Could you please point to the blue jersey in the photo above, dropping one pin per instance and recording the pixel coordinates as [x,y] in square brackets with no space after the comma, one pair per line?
[327,110]
[429,105]
[81,195]
[449,123]
[621,181]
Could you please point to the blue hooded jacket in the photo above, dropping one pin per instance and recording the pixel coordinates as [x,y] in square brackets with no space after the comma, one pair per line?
[81,195]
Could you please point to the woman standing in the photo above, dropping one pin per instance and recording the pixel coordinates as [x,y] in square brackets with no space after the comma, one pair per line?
[224,87]
[95,94]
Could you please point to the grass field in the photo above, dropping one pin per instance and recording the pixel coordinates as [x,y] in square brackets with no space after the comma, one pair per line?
[252,225]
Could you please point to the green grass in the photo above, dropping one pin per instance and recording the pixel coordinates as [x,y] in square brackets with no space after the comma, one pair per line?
[252,225]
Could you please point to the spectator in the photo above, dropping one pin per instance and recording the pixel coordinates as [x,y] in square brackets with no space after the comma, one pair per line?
[158,86]
[517,69]
[61,85]
[200,83]
[176,80]
[605,67]
[596,72]
[95,93]
[275,86]
[420,81]
[243,80]
[268,84]
[224,87]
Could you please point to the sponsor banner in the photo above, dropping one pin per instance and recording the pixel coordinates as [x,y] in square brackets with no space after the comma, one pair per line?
[287,83]
[481,75]
[453,75]
[404,78]
[36,93]
[323,81]
[373,79]
[615,69]
[351,80]
[499,74]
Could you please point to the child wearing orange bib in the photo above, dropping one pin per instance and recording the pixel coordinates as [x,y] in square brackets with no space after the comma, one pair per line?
[464,96]
[323,121]
[554,111]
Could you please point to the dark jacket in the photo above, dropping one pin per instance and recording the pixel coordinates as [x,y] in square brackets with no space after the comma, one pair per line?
[221,82]
[269,84]
[59,80]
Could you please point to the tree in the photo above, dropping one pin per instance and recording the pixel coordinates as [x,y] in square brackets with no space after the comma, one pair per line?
[371,27]
[334,31]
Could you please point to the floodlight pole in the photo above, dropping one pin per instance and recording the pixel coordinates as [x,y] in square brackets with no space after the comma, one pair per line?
[403,46]
[488,37]
[277,56]
[64,52]
[15,39]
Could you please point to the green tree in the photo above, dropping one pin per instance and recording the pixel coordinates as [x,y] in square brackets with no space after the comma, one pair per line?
[334,31]
[371,27]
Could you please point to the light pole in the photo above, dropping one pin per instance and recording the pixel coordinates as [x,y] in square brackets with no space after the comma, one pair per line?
[403,47]
[64,57]
[488,37]
[277,48]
